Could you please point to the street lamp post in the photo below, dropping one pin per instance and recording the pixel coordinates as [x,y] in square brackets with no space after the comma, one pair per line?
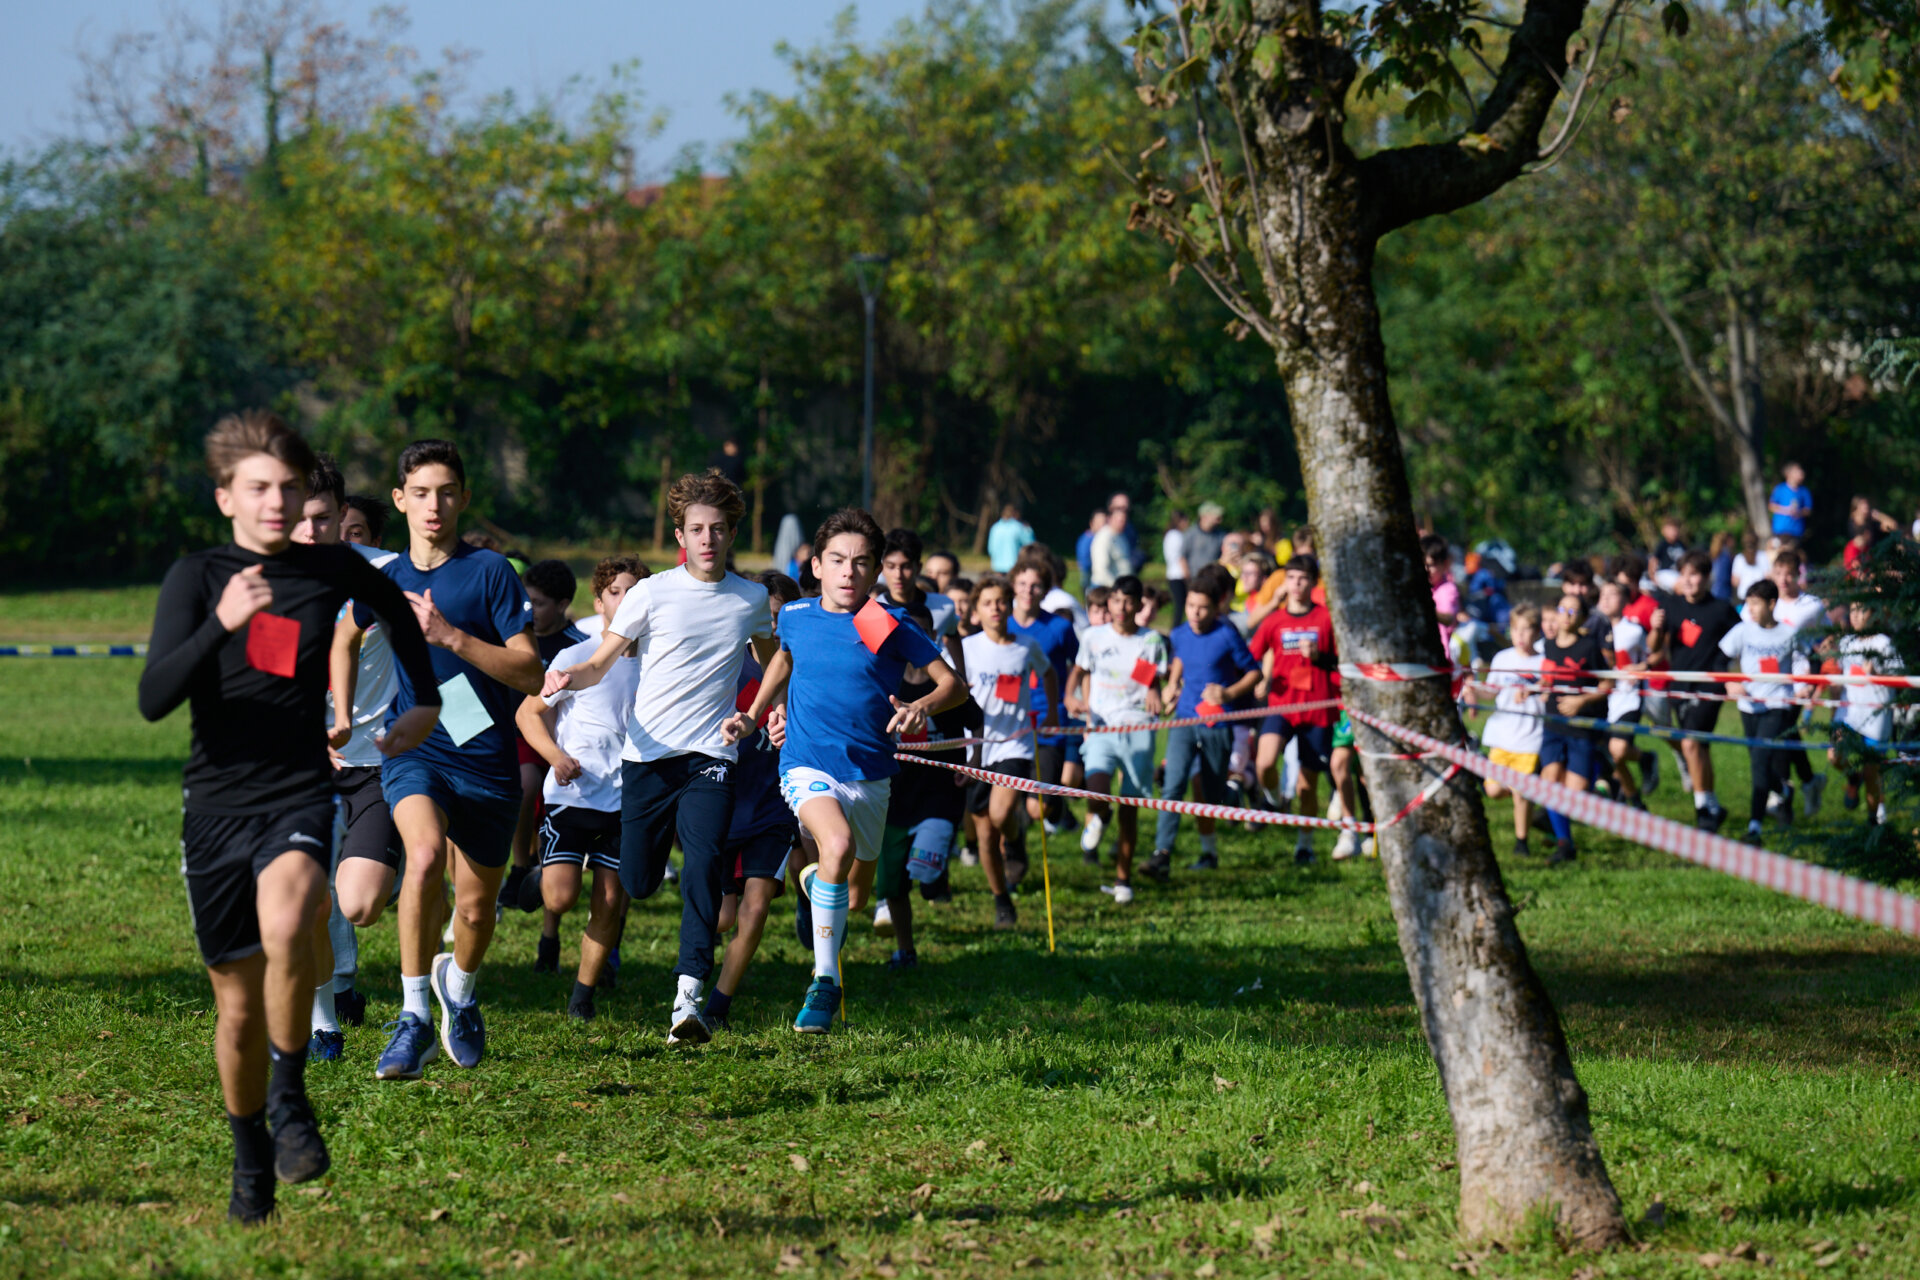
[867,269]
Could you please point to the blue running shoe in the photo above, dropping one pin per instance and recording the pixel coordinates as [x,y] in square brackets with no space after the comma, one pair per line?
[409,1050]
[463,1032]
[823,1001]
[326,1046]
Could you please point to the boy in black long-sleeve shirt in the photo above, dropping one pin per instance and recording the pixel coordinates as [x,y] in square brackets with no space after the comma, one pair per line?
[243,632]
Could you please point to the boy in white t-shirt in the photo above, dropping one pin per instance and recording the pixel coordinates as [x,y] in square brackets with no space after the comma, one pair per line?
[1766,646]
[1001,667]
[1805,612]
[580,734]
[1628,653]
[691,626]
[1116,680]
[1512,733]
[1867,709]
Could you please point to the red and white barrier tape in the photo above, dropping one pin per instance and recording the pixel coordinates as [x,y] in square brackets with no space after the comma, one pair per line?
[1056,731]
[1421,670]
[1226,813]
[1796,879]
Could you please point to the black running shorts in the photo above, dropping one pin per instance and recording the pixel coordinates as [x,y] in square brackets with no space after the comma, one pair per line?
[580,836]
[1697,715]
[222,856]
[370,832]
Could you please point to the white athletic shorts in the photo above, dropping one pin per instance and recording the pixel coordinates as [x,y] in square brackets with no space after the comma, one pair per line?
[864,803]
[1126,756]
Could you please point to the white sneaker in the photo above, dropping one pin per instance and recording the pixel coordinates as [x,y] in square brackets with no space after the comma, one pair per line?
[686,1026]
[968,858]
[1346,847]
[670,875]
[1811,793]
[1369,848]
[883,919]
[1121,894]
[1091,831]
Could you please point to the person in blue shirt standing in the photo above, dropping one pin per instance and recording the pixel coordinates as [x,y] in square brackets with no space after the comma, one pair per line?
[1791,502]
[841,659]
[1007,538]
[1212,670]
[456,798]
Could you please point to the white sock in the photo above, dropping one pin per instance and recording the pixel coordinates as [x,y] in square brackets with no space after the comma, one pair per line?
[1207,845]
[413,997]
[460,984]
[829,927]
[690,990]
[324,1018]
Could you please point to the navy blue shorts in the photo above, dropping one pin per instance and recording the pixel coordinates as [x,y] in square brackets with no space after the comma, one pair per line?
[1575,753]
[762,856]
[1067,744]
[1316,740]
[481,814]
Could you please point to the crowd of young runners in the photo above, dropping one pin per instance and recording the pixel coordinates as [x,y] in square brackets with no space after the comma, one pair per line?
[429,730]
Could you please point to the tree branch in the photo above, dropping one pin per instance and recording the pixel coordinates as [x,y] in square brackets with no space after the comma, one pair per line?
[1404,184]
[1694,371]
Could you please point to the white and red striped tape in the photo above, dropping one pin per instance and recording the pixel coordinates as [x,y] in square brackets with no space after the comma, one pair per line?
[1845,894]
[1419,670]
[1225,813]
[1056,731]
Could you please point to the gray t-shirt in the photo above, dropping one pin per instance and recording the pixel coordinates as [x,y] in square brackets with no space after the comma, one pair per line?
[1203,547]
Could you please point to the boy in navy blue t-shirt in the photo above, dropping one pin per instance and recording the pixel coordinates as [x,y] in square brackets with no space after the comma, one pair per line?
[1212,670]
[840,663]
[456,799]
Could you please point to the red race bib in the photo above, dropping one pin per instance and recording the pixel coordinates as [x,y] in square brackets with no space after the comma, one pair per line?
[1622,658]
[874,624]
[1854,669]
[744,699]
[1769,666]
[1690,632]
[1144,672]
[1007,688]
[1206,709]
[1300,677]
[273,644]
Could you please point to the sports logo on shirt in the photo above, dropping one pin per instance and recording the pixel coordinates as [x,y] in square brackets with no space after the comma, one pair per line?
[819,786]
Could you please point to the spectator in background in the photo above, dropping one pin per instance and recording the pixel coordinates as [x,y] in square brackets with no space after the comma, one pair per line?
[1720,551]
[1204,539]
[1304,545]
[1864,517]
[1750,565]
[1791,502]
[1268,537]
[1109,556]
[1173,552]
[801,562]
[1007,538]
[1083,547]
[731,463]
[1120,502]
[1446,592]
[1663,562]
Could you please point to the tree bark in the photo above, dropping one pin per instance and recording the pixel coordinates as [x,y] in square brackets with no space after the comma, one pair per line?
[1520,1117]
[1742,422]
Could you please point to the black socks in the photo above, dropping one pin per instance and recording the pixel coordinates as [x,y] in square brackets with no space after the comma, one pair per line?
[252,1199]
[288,1082]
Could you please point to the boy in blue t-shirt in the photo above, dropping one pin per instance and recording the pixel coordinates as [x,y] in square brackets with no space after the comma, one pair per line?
[1791,502]
[1212,670]
[840,663]
[456,799]
[1056,756]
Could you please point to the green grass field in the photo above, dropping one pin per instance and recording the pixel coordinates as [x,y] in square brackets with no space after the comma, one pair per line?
[1226,1079]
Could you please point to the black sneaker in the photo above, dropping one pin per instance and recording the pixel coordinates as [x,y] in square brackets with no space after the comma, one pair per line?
[903,960]
[1209,862]
[1159,867]
[1302,856]
[1016,869]
[1004,916]
[1520,849]
[252,1201]
[940,889]
[580,1004]
[1752,837]
[527,895]
[351,1007]
[1563,852]
[510,886]
[1710,818]
[547,958]
[299,1152]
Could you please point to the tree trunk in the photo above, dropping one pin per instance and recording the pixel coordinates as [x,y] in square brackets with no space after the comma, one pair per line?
[1520,1118]
[1749,412]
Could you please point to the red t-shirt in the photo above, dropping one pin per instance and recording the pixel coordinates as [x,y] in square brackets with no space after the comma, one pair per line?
[1295,679]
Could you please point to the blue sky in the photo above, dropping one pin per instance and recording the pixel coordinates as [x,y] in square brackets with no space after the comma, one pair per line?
[691,54]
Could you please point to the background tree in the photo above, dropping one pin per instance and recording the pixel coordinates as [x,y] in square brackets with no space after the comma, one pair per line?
[1269,201]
